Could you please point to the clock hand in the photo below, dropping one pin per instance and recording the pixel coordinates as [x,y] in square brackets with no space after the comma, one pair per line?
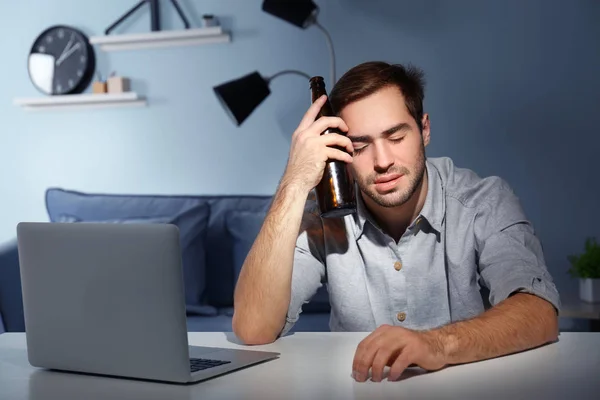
[67,54]
[67,47]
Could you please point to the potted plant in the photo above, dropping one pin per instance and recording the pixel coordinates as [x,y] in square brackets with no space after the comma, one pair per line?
[586,267]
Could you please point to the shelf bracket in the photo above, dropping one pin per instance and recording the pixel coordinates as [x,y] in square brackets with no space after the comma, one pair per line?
[154,15]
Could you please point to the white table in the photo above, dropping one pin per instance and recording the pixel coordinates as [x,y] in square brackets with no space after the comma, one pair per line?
[317,366]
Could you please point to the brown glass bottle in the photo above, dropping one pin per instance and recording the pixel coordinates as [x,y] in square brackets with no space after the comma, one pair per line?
[335,191]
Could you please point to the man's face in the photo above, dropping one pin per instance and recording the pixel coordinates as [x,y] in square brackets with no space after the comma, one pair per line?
[389,150]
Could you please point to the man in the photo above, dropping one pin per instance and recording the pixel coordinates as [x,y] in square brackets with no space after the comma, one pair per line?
[411,263]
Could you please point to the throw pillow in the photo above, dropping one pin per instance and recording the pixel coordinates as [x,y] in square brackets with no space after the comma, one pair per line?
[67,218]
[192,224]
[244,227]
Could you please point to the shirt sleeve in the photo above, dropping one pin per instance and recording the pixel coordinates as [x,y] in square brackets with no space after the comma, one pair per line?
[308,273]
[511,258]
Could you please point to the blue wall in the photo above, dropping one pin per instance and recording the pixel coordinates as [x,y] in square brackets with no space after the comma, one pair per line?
[512,90]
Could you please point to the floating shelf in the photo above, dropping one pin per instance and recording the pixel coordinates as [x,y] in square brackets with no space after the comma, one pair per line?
[79,101]
[185,37]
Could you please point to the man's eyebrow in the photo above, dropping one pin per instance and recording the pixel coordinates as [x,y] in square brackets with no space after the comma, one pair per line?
[403,126]
[362,139]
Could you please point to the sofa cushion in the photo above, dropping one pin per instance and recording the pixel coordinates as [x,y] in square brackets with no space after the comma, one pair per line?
[11,298]
[315,322]
[2,329]
[220,245]
[217,323]
[192,222]
[244,227]
[312,322]
[93,206]
[67,218]
[218,290]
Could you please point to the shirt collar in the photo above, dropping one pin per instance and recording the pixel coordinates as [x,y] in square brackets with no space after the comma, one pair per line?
[362,214]
[433,211]
[434,208]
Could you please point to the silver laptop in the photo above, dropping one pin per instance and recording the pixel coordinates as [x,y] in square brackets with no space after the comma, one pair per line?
[108,299]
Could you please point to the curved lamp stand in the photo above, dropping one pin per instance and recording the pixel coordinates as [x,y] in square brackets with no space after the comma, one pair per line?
[288,72]
[331,51]
[302,14]
[241,96]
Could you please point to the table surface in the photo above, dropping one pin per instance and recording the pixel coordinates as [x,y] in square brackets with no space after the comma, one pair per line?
[318,366]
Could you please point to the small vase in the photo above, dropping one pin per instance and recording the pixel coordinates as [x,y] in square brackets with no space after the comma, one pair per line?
[589,290]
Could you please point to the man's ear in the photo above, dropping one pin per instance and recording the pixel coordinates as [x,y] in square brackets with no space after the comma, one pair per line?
[426,132]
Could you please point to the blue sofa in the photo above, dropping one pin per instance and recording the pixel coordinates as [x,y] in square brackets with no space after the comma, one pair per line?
[216,233]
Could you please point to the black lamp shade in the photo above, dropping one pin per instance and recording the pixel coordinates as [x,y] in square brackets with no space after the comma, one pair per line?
[241,96]
[296,12]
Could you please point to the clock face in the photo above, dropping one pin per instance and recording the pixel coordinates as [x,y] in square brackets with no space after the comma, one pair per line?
[61,61]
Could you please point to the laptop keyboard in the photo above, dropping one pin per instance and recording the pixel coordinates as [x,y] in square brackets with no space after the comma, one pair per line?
[198,364]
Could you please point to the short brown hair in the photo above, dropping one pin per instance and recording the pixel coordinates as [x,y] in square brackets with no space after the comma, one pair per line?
[367,78]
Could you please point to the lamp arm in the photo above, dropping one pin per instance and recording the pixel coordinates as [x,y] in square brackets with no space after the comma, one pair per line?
[331,51]
[285,72]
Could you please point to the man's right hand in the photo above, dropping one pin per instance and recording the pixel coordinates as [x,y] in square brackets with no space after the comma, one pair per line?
[310,150]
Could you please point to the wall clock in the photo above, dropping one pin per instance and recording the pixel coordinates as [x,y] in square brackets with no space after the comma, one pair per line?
[61,61]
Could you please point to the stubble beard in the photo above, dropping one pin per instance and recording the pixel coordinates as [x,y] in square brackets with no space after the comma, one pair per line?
[398,196]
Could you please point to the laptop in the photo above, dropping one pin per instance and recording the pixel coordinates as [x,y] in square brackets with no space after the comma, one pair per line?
[108,299]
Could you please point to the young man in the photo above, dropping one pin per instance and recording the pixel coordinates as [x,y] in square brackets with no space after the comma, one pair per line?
[409,265]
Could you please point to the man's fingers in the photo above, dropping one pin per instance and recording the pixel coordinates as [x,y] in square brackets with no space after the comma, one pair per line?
[334,139]
[362,348]
[382,358]
[362,363]
[335,154]
[363,359]
[402,362]
[323,123]
[365,353]
[311,113]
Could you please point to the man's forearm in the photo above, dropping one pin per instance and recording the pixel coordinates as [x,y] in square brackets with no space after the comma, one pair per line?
[262,293]
[520,322]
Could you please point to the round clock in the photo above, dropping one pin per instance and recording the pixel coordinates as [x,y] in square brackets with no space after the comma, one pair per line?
[61,61]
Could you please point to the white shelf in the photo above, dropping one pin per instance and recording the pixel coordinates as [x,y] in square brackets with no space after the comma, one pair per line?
[185,37]
[81,101]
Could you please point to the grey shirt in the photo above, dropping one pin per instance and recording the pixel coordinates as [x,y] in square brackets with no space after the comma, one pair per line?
[471,237]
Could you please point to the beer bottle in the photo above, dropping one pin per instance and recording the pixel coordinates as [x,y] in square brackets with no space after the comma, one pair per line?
[335,191]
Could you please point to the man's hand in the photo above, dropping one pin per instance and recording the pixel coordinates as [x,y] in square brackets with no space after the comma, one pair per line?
[398,348]
[310,150]
[520,322]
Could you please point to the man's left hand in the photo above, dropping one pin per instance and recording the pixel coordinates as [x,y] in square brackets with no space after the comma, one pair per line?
[398,348]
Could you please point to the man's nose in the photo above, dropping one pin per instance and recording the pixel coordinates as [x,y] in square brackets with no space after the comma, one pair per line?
[383,158]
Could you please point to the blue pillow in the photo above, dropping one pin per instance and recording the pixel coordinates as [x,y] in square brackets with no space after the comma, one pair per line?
[65,218]
[192,224]
[244,227]
[2,330]
[96,206]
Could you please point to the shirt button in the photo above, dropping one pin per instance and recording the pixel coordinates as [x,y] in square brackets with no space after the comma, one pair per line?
[397,265]
[401,316]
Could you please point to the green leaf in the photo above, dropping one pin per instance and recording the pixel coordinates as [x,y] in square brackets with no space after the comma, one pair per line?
[587,264]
